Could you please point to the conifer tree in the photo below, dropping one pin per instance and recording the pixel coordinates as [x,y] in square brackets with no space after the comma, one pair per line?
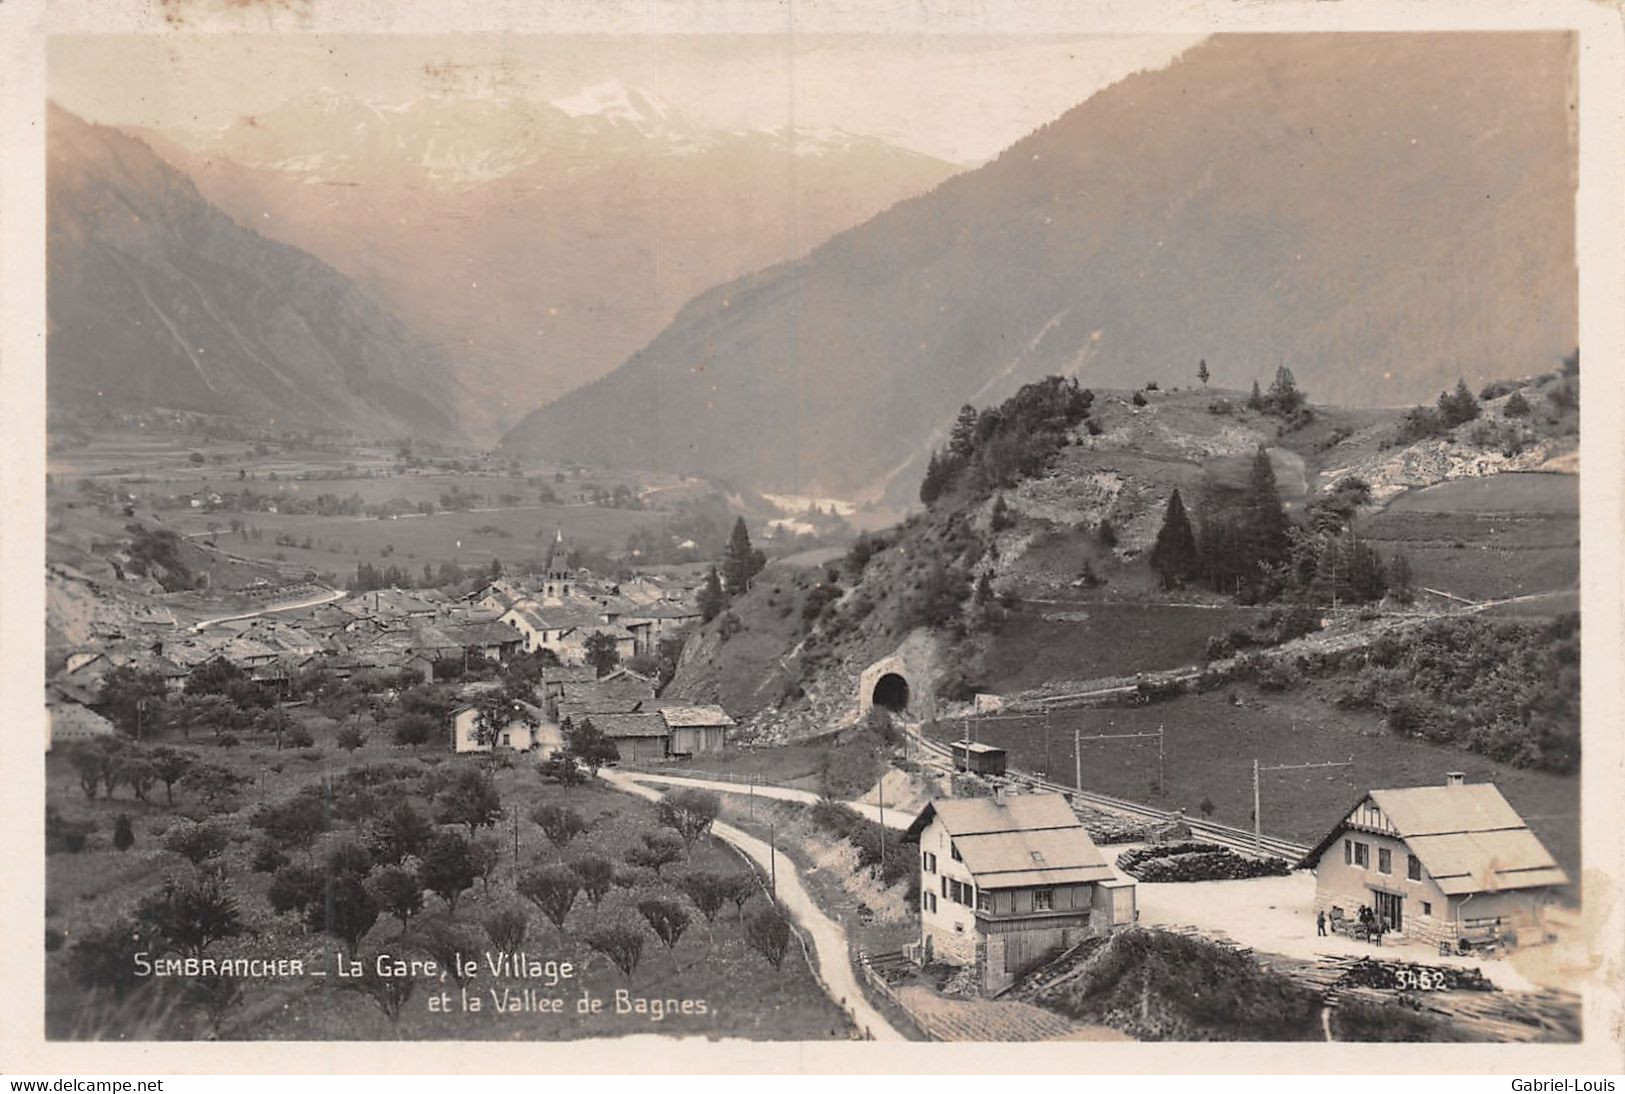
[1399,578]
[1255,401]
[1202,372]
[1284,398]
[962,441]
[742,561]
[1266,532]
[711,598]
[1174,555]
[931,486]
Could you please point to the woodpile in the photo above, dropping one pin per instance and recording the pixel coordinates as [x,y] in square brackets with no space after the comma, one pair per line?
[1193,860]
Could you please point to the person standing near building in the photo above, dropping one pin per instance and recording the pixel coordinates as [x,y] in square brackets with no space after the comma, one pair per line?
[1320,924]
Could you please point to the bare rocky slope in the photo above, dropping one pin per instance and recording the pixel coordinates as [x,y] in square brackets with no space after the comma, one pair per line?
[1380,213]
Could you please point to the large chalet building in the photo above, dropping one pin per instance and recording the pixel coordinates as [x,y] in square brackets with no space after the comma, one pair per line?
[1436,863]
[1007,882]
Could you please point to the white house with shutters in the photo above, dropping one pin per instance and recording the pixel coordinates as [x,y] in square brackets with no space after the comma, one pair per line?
[1009,881]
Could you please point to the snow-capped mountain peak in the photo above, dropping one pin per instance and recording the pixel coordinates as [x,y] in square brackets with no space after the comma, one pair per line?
[614,101]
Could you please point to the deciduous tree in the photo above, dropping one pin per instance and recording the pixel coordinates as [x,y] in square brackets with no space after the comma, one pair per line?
[398,892]
[191,914]
[768,932]
[667,919]
[689,812]
[553,889]
[447,868]
[559,823]
[470,798]
[597,874]
[622,943]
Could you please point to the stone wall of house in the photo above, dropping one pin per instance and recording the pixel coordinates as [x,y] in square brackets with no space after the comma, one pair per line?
[948,946]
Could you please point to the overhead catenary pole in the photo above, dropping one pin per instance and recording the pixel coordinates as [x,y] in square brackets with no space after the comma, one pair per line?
[1258,820]
[1077,754]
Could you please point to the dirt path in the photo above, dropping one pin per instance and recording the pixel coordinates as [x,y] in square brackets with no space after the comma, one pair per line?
[894,818]
[828,938]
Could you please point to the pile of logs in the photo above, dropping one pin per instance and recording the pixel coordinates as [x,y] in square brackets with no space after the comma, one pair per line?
[1196,861]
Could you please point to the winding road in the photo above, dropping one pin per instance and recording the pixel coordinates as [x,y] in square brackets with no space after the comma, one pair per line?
[309,602]
[827,937]
[894,818]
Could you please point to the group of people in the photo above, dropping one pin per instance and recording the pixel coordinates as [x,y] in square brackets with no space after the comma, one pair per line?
[1373,925]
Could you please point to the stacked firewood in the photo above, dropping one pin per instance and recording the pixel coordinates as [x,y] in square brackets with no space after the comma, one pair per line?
[1193,860]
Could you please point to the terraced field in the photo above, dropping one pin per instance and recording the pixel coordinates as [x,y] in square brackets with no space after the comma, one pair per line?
[1486,538]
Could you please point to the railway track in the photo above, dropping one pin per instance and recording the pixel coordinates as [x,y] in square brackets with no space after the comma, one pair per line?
[1238,839]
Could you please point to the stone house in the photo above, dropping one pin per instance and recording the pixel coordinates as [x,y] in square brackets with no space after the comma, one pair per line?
[1008,882]
[1436,863]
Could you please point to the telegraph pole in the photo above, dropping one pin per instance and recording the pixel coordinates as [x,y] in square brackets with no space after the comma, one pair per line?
[1046,742]
[773,859]
[516,843]
[1077,760]
[1258,820]
[880,787]
[1162,767]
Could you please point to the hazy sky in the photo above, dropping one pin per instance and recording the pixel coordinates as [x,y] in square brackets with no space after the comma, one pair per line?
[958,97]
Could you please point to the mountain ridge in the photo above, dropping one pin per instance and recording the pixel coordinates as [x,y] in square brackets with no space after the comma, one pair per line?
[156,297]
[1263,200]
[536,248]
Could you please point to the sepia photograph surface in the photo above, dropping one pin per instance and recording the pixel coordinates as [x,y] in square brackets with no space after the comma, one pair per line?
[868,534]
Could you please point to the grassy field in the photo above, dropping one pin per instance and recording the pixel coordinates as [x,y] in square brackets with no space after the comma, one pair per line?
[1043,643]
[1487,538]
[1526,492]
[794,765]
[744,997]
[514,519]
[1210,744]
[466,538]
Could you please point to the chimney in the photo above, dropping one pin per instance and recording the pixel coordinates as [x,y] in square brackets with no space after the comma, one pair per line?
[1455,778]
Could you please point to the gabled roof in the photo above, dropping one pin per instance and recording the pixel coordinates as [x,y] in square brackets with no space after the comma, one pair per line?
[682,715]
[627,725]
[589,691]
[662,609]
[592,708]
[70,721]
[1468,838]
[582,632]
[569,674]
[1029,839]
[481,633]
